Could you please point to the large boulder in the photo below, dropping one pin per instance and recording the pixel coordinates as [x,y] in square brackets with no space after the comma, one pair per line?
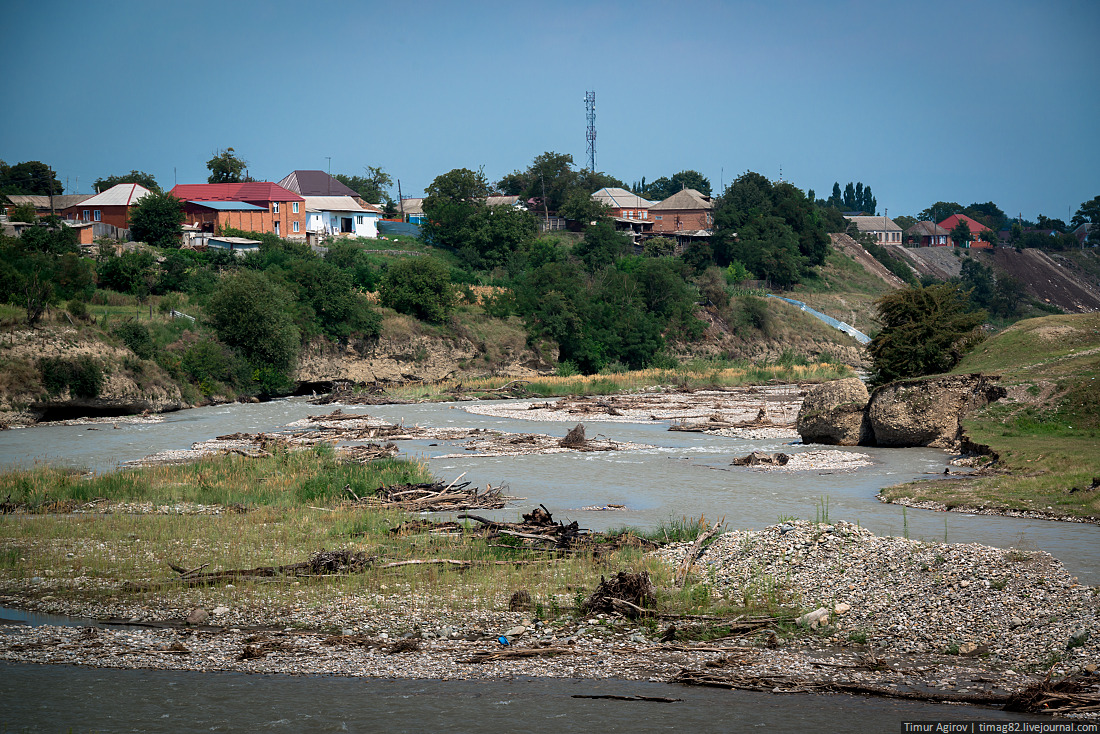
[833,413]
[927,412]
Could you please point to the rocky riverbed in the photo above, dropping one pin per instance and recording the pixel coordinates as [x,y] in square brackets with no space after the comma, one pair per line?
[891,613]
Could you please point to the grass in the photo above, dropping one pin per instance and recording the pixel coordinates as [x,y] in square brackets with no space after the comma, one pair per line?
[1045,434]
[294,509]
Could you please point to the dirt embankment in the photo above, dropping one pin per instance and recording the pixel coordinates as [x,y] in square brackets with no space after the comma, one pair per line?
[851,248]
[414,357]
[1046,280]
[129,385]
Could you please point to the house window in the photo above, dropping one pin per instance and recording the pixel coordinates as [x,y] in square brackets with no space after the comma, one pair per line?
[294,207]
[359,218]
[296,226]
[276,228]
[86,215]
[98,215]
[658,217]
[275,207]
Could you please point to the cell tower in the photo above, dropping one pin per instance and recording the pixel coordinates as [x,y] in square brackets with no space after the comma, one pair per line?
[590,135]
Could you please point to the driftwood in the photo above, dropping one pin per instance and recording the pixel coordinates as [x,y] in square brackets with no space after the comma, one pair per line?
[1072,694]
[538,529]
[694,553]
[489,656]
[366,453]
[322,563]
[374,395]
[759,458]
[624,593]
[437,497]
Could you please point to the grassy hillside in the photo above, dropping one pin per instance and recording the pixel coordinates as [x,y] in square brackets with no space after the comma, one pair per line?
[1046,431]
[845,290]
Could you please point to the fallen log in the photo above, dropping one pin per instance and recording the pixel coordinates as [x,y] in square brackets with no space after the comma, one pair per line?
[694,553]
[609,697]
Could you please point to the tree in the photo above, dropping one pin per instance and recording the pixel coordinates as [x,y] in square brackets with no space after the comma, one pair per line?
[940,211]
[157,220]
[374,187]
[29,177]
[420,287]
[453,201]
[1089,213]
[601,245]
[248,312]
[977,279]
[924,331]
[581,207]
[551,177]
[960,234]
[988,214]
[135,176]
[664,187]
[226,167]
[23,213]
[1047,223]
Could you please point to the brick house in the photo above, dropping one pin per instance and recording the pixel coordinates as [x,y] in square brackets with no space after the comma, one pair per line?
[686,210]
[256,206]
[624,204]
[883,229]
[976,229]
[110,207]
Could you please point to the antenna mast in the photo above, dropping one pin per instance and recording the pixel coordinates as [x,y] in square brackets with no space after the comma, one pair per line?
[590,135]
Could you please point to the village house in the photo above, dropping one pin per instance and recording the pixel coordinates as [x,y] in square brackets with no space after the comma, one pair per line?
[976,229]
[684,211]
[45,205]
[110,207]
[883,229]
[928,234]
[257,206]
[340,216]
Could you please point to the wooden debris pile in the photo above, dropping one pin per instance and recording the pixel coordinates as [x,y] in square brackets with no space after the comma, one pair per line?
[759,458]
[630,594]
[366,453]
[539,531]
[322,563]
[1074,694]
[716,422]
[437,497]
[513,389]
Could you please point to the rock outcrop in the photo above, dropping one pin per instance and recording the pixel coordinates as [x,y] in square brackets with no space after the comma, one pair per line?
[834,413]
[928,412]
[918,412]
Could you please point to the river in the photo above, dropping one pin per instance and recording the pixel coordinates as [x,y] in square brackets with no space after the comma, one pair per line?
[111,700]
[687,474]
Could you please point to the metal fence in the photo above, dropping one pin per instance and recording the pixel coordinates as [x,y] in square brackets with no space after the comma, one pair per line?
[851,331]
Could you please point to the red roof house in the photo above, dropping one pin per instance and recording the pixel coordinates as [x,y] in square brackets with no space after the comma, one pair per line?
[976,228]
[255,206]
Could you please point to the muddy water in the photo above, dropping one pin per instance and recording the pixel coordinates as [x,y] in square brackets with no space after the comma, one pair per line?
[686,474]
[103,700]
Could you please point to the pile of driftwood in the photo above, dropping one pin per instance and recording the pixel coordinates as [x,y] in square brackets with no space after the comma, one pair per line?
[539,531]
[1074,694]
[322,563]
[513,389]
[435,497]
[759,458]
[630,594]
[366,453]
[716,422]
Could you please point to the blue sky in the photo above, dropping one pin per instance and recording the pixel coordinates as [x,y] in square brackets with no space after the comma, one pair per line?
[924,101]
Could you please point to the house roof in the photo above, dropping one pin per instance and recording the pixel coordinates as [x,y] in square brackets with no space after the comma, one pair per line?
[251,191]
[39,201]
[502,200]
[875,224]
[229,206]
[686,199]
[315,183]
[412,206]
[621,199]
[953,221]
[926,229]
[123,194]
[337,204]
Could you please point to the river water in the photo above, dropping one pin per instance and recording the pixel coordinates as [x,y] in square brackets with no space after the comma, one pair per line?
[687,474]
[105,700]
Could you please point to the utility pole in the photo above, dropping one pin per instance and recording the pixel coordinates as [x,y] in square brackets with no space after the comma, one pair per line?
[400,200]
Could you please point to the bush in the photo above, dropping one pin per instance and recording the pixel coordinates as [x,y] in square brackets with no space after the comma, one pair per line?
[419,287]
[82,376]
[136,337]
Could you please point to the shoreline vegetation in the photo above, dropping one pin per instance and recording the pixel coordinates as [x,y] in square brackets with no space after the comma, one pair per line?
[1042,438]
